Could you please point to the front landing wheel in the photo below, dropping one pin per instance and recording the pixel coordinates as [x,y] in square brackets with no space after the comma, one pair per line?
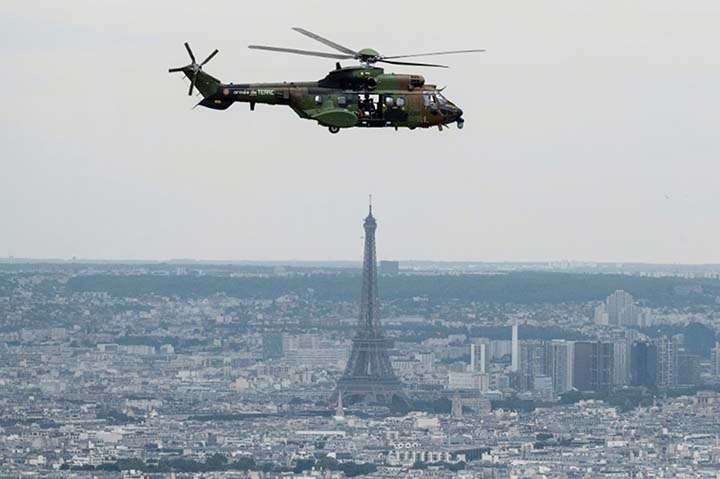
[461,124]
[334,129]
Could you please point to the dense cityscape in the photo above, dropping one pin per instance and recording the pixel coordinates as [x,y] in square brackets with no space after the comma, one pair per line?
[191,370]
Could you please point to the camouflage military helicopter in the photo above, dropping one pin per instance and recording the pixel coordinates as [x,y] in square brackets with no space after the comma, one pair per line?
[355,96]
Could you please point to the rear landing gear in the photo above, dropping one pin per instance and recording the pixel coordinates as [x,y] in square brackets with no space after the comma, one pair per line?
[334,129]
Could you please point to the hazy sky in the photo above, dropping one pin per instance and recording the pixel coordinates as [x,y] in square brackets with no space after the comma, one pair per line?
[591,133]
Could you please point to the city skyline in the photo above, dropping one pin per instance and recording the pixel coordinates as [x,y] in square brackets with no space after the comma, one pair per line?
[142,371]
[162,385]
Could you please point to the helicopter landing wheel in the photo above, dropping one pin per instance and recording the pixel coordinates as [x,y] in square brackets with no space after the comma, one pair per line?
[461,124]
[412,127]
[334,129]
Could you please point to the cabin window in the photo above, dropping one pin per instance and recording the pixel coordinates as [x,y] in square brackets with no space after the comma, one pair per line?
[369,105]
[342,101]
[318,100]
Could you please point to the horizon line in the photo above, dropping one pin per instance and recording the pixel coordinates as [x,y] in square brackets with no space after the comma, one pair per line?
[569,262]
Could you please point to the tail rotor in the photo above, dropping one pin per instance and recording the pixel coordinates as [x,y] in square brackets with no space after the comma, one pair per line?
[192,70]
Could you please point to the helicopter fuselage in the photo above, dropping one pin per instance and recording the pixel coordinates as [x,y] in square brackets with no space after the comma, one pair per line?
[362,96]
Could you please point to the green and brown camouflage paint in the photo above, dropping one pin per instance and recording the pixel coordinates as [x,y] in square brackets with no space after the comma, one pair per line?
[335,101]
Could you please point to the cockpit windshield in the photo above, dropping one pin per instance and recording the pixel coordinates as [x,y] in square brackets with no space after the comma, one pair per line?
[434,99]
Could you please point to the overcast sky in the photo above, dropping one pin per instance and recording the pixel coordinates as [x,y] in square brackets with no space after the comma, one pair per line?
[591,133]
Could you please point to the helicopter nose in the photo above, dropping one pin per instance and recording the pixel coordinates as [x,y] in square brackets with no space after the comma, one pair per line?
[459,112]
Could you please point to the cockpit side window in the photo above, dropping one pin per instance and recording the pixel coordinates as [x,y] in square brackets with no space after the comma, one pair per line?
[429,99]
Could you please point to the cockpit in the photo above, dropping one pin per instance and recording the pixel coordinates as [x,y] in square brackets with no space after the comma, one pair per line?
[438,104]
[435,99]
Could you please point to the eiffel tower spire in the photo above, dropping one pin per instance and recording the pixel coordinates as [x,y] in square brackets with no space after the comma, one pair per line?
[368,375]
[369,303]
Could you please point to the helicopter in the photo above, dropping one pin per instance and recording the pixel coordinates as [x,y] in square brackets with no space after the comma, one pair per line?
[352,96]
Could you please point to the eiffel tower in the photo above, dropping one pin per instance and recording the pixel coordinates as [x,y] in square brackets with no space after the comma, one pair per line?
[368,376]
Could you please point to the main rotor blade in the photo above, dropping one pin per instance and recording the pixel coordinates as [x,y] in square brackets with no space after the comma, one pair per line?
[325,41]
[414,64]
[301,52]
[210,57]
[187,47]
[435,53]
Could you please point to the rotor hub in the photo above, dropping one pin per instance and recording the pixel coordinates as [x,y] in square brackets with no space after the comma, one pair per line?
[368,55]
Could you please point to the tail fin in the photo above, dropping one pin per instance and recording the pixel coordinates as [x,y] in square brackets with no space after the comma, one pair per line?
[206,84]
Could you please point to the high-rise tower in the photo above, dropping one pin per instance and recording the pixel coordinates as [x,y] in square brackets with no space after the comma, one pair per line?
[368,375]
[515,364]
